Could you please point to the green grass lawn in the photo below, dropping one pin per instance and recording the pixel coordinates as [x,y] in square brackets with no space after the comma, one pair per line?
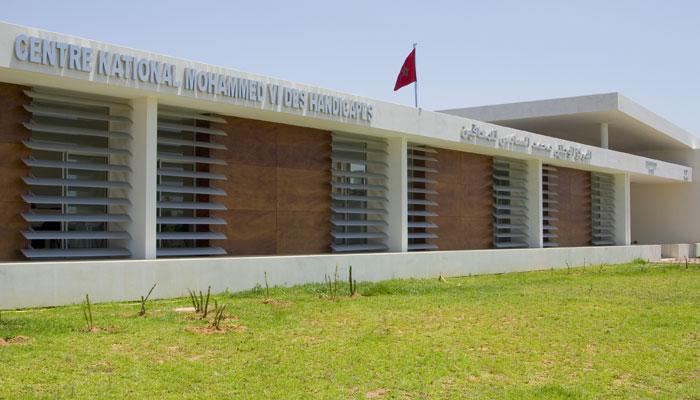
[630,331]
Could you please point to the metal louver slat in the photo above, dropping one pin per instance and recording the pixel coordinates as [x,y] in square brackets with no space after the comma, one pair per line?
[45,217]
[352,160]
[359,186]
[350,210]
[191,190]
[421,213]
[65,98]
[34,181]
[77,141]
[367,222]
[350,248]
[179,158]
[190,174]
[190,205]
[352,149]
[181,211]
[187,143]
[70,114]
[175,127]
[190,236]
[76,253]
[191,220]
[414,202]
[74,148]
[421,148]
[549,204]
[35,235]
[422,246]
[355,174]
[96,201]
[421,164]
[510,219]
[166,112]
[33,162]
[190,251]
[359,235]
[358,200]
[67,130]
[603,209]
[422,235]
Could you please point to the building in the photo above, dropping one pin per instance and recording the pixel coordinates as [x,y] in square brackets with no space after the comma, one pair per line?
[122,168]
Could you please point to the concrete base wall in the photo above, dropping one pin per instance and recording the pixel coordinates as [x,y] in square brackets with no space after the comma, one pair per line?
[59,283]
[678,251]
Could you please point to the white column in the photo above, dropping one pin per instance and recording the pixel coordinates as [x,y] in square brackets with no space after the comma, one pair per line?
[535,236]
[604,135]
[623,232]
[397,194]
[144,178]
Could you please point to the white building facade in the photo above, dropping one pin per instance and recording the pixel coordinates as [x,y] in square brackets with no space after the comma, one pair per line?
[123,168]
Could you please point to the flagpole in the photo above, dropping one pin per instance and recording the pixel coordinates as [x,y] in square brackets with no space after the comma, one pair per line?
[415,84]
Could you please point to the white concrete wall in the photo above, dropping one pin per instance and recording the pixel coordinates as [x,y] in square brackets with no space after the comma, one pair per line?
[59,283]
[623,232]
[535,222]
[667,212]
[397,208]
[144,177]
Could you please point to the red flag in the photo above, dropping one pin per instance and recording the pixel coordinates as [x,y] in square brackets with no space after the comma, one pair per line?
[407,75]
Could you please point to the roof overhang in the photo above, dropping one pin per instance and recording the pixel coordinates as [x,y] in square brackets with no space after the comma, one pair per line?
[631,127]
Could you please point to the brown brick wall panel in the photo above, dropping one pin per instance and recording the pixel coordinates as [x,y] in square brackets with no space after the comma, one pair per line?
[303,190]
[12,132]
[278,188]
[574,197]
[297,148]
[248,232]
[464,201]
[298,232]
[248,187]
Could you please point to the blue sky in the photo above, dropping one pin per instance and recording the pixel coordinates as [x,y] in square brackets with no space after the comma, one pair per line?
[470,53]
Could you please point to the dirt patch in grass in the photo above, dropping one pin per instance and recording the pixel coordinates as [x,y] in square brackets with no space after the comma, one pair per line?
[376,394]
[208,330]
[14,340]
[278,303]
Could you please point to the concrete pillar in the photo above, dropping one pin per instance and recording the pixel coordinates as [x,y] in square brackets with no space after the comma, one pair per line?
[604,135]
[397,194]
[535,238]
[144,178]
[623,231]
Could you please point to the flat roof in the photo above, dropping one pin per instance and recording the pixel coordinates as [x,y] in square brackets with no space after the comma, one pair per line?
[631,127]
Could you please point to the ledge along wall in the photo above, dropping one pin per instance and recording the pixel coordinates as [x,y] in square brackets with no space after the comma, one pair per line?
[12,169]
[465,199]
[278,188]
[40,284]
[574,216]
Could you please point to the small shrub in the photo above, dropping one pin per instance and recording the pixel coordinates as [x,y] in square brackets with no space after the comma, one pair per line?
[267,288]
[144,300]
[196,303]
[352,283]
[87,313]
[199,302]
[332,284]
[218,315]
[205,310]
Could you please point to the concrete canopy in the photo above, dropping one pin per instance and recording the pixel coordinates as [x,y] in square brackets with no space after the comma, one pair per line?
[631,127]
